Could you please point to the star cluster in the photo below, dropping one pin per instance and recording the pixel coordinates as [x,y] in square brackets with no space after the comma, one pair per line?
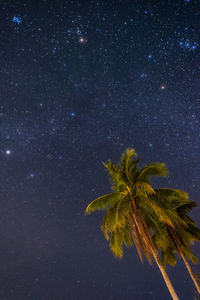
[80,82]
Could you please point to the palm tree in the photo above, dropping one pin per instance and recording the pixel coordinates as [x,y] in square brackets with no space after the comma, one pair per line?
[130,208]
[170,238]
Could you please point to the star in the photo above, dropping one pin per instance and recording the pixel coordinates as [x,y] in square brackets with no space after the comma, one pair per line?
[31,176]
[16,20]
[188,45]
[143,75]
[82,40]
[194,46]
[79,85]
[8,152]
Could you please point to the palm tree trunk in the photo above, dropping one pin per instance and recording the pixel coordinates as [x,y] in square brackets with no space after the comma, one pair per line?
[190,272]
[135,237]
[178,247]
[148,244]
[166,278]
[154,252]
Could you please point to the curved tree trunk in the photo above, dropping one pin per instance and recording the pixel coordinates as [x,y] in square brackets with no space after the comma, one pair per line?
[149,247]
[166,278]
[190,272]
[177,244]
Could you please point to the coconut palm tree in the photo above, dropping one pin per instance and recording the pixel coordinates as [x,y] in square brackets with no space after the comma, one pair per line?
[129,209]
[170,238]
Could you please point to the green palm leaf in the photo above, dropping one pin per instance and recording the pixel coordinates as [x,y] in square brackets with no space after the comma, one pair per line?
[118,237]
[154,169]
[168,257]
[167,193]
[154,209]
[115,176]
[143,189]
[116,217]
[103,202]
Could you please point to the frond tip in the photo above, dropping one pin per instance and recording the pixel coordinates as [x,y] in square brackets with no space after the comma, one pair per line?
[103,202]
[153,169]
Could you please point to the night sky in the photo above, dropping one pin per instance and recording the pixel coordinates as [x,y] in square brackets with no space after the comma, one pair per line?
[80,81]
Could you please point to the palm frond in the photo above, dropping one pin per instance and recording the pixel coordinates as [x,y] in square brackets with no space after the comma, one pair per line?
[127,158]
[143,189]
[128,242]
[118,238]
[116,243]
[194,231]
[115,176]
[168,257]
[168,194]
[116,217]
[103,202]
[161,238]
[156,210]
[186,207]
[154,169]
[128,166]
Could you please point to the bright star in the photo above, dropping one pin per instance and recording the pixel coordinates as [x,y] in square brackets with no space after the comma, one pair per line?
[17,20]
[188,45]
[82,40]
[194,46]
[8,152]
[149,56]
[162,87]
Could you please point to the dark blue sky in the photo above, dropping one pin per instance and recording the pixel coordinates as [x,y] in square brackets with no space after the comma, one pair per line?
[80,82]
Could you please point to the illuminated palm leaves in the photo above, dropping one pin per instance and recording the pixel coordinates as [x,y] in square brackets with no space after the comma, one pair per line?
[127,179]
[115,223]
[181,231]
[164,210]
[154,169]
[156,220]
[104,202]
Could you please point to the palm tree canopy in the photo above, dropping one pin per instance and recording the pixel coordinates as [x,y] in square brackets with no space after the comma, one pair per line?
[156,220]
[161,208]
[182,232]
[128,179]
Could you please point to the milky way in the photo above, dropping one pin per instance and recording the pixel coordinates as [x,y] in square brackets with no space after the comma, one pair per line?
[80,82]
